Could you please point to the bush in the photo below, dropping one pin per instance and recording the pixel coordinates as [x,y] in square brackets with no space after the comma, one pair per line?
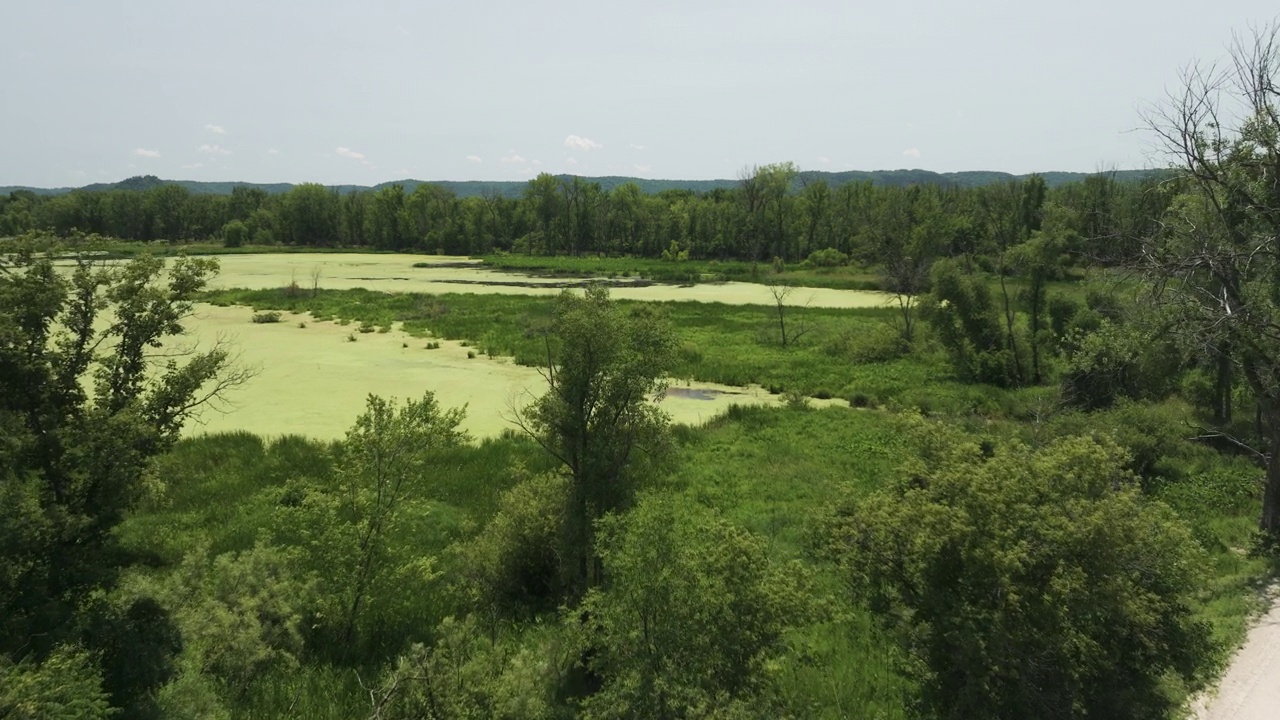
[241,614]
[270,316]
[66,686]
[515,564]
[1116,363]
[1029,583]
[234,234]
[827,257]
[467,675]
[694,614]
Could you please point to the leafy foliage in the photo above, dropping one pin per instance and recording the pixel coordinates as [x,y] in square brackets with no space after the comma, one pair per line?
[516,563]
[693,616]
[465,675]
[84,407]
[1029,583]
[352,526]
[605,367]
[66,686]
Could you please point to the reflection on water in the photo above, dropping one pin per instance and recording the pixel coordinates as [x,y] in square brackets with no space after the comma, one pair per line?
[692,393]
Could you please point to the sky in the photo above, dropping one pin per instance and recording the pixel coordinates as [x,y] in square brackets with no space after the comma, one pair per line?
[366,92]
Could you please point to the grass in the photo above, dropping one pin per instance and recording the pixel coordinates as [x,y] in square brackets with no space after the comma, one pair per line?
[168,248]
[728,344]
[773,471]
[685,271]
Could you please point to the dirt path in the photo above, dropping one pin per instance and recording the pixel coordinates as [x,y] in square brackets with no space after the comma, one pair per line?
[1250,690]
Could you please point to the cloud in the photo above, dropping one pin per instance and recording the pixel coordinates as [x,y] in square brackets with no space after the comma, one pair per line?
[824,159]
[911,152]
[143,152]
[570,161]
[537,162]
[273,151]
[216,129]
[474,158]
[192,166]
[643,168]
[513,158]
[636,147]
[353,155]
[213,150]
[584,144]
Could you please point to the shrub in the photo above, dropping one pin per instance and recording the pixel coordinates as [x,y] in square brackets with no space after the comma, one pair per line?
[1022,581]
[234,234]
[467,675]
[827,257]
[515,563]
[695,613]
[270,316]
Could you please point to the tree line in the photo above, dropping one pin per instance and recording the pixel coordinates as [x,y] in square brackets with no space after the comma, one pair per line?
[773,211]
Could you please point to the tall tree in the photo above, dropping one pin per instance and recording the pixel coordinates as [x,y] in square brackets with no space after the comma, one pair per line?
[85,404]
[606,366]
[1217,260]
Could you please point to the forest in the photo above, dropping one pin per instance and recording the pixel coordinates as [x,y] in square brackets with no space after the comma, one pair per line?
[1039,479]
[772,212]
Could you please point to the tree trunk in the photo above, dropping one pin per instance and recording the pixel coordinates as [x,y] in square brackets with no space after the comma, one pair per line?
[1270,522]
[1222,401]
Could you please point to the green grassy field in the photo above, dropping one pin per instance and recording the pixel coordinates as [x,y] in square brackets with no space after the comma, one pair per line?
[776,472]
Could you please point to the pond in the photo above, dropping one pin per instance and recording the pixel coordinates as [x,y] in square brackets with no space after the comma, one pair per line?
[438,274]
[313,380]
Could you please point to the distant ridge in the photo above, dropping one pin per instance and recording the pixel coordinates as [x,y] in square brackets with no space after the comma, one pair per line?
[513,188]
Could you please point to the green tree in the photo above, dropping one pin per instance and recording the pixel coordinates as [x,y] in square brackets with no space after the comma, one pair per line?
[308,215]
[384,464]
[1039,260]
[515,566]
[693,614]
[234,234]
[605,368]
[1029,583]
[84,408]
[963,314]
[242,615]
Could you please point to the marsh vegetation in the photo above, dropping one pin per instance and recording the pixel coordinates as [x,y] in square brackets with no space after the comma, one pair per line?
[994,452]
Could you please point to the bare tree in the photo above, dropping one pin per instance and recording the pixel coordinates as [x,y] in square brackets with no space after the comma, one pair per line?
[315,280]
[1216,260]
[799,325]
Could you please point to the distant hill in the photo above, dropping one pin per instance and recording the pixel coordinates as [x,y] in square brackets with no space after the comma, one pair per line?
[513,188]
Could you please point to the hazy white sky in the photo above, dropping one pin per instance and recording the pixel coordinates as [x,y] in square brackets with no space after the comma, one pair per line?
[363,92]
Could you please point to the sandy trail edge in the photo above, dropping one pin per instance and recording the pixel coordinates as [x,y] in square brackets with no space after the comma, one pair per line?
[1250,689]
